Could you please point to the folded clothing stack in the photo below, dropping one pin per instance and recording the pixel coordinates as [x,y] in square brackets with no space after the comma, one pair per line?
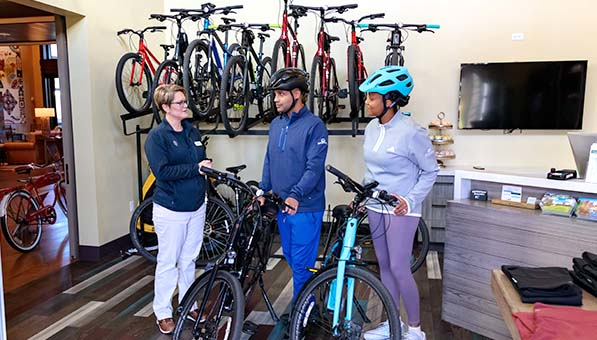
[585,272]
[552,285]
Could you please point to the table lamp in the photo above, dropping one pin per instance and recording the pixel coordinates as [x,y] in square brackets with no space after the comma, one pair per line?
[45,113]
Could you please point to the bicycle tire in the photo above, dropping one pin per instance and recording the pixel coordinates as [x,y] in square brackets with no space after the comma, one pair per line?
[332,96]
[197,292]
[167,73]
[145,242]
[368,292]
[265,99]
[422,246]
[300,63]
[29,235]
[137,99]
[279,55]
[218,217]
[219,220]
[60,192]
[315,93]
[235,95]
[354,79]
[199,82]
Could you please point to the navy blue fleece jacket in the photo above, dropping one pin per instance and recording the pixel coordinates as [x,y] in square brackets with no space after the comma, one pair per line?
[294,164]
[174,159]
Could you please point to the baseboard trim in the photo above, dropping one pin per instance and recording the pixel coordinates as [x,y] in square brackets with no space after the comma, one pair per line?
[95,254]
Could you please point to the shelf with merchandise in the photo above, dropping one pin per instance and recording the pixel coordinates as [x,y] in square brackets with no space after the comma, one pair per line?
[439,139]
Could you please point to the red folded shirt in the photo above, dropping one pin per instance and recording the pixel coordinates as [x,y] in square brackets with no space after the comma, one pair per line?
[549,322]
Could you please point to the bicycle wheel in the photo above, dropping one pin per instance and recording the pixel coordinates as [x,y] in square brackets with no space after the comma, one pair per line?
[312,317]
[199,80]
[331,97]
[316,95]
[133,83]
[264,97]
[219,220]
[142,232]
[167,73]
[235,96]
[354,81]
[279,55]
[21,234]
[420,246]
[223,315]
[60,192]
[300,63]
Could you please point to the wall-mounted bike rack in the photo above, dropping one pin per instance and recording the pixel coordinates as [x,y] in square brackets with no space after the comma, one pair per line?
[137,132]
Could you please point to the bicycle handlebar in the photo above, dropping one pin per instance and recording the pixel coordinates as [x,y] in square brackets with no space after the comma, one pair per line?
[219,175]
[350,185]
[207,10]
[263,27]
[339,9]
[151,29]
[412,27]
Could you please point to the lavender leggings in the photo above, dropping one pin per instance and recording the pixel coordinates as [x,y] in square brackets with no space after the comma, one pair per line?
[393,241]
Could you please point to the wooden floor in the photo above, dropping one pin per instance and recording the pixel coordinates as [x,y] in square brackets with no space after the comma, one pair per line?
[53,252]
[112,300]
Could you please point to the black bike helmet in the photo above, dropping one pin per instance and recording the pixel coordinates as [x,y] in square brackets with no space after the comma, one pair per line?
[289,78]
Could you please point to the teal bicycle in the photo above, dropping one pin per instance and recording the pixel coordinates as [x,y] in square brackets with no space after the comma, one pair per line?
[344,299]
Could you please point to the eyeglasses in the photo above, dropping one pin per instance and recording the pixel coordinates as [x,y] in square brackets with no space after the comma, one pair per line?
[180,102]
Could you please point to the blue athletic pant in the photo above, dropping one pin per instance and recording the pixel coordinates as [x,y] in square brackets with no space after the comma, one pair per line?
[300,238]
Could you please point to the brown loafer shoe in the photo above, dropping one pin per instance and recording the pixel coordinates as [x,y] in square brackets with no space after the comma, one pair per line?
[166,326]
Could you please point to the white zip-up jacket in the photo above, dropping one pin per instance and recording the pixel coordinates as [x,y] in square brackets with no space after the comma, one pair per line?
[399,156]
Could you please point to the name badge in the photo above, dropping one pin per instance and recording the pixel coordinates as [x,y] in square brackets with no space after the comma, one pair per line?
[198,143]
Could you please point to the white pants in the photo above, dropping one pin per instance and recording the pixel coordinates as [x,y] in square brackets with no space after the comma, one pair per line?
[179,240]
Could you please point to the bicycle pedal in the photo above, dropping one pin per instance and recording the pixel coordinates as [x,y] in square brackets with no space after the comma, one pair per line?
[343,93]
[249,327]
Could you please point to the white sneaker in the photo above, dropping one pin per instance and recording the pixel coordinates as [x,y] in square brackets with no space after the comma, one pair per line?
[382,332]
[414,334]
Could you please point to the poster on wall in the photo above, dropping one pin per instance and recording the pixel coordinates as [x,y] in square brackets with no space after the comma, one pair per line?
[12,99]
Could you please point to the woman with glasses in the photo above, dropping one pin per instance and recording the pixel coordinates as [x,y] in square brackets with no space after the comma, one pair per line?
[175,154]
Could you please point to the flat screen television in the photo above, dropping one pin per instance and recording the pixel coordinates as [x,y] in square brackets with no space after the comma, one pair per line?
[542,95]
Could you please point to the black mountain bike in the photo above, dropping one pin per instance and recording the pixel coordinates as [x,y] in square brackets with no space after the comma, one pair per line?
[245,260]
[245,81]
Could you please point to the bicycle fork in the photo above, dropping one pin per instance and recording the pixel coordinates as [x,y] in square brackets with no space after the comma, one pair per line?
[335,300]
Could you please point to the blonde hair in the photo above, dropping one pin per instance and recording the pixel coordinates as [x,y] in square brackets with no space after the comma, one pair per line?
[164,94]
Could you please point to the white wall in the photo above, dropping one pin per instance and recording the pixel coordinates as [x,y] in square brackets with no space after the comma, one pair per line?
[472,31]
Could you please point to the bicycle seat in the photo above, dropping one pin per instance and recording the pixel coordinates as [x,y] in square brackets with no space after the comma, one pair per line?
[341,211]
[360,39]
[333,38]
[236,169]
[228,21]
[21,170]
[262,36]
[166,47]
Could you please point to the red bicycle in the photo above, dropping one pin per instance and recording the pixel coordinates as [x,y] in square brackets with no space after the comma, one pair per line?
[357,73]
[133,90]
[287,54]
[22,207]
[323,83]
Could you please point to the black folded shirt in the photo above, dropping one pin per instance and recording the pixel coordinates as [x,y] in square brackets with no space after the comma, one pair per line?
[590,258]
[585,266]
[583,281]
[552,285]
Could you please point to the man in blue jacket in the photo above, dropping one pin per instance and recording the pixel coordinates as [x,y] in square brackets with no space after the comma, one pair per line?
[294,168]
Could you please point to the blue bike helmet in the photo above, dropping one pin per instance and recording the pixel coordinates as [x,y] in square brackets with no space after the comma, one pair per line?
[394,83]
[388,79]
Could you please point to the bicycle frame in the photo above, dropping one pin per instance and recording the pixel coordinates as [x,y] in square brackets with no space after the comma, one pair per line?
[213,42]
[345,255]
[147,58]
[292,51]
[31,186]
